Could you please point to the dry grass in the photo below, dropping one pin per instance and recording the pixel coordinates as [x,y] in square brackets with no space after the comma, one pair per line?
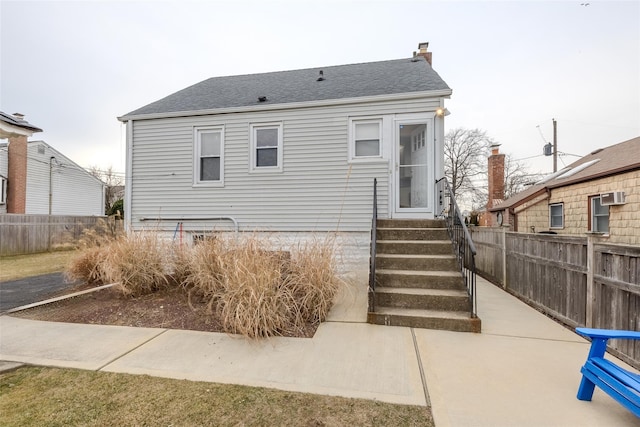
[87,266]
[138,263]
[313,279]
[36,396]
[257,288]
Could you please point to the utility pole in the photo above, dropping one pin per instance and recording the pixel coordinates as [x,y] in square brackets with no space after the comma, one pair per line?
[555,145]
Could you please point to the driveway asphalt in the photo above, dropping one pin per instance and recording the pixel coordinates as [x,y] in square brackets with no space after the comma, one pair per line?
[15,293]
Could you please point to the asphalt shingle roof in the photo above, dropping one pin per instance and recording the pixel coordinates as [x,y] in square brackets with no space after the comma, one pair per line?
[611,160]
[8,118]
[283,87]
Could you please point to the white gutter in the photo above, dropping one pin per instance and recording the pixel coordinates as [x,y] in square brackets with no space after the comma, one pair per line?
[290,105]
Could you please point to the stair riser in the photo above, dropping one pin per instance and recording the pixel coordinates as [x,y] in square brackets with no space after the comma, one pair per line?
[424,302]
[423,282]
[428,264]
[414,248]
[420,234]
[456,325]
[411,223]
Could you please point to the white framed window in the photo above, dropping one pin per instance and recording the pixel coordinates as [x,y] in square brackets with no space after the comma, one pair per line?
[556,215]
[266,147]
[598,216]
[208,158]
[3,190]
[365,139]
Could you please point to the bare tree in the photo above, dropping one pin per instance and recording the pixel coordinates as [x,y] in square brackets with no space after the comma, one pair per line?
[465,160]
[113,184]
[516,177]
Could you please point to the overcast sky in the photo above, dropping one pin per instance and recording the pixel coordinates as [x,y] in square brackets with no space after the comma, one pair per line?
[73,67]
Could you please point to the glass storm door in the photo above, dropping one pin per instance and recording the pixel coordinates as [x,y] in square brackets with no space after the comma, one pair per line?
[413,158]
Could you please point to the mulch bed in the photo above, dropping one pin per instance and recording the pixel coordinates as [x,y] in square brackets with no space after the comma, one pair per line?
[169,309]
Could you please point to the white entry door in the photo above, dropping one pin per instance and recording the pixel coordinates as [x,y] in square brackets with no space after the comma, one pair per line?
[414,168]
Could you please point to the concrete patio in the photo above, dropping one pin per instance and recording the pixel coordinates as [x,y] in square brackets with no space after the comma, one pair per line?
[522,370]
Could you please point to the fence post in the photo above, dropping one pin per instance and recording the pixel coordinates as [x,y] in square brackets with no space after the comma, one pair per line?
[504,257]
[592,238]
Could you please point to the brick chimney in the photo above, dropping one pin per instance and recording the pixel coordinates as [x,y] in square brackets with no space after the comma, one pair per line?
[422,51]
[17,179]
[496,177]
[17,174]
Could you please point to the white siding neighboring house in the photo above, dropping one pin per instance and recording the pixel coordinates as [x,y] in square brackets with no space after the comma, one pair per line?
[58,186]
[37,179]
[292,151]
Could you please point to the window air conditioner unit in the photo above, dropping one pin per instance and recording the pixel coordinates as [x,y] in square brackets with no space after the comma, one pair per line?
[612,198]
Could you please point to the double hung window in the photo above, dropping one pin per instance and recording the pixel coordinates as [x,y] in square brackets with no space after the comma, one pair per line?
[599,216]
[556,215]
[365,140]
[266,147]
[209,156]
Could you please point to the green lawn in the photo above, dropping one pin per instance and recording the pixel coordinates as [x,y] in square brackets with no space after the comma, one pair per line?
[21,266]
[36,396]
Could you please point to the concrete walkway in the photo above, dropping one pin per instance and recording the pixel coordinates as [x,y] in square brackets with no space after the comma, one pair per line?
[523,370]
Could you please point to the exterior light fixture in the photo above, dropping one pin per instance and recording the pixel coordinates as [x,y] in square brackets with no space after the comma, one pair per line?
[441,112]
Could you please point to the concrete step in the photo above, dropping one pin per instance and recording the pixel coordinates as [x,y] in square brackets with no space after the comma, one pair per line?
[426,319]
[419,279]
[407,233]
[432,299]
[416,262]
[411,223]
[415,247]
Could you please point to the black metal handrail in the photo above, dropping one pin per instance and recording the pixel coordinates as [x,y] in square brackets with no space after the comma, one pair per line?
[464,248]
[372,252]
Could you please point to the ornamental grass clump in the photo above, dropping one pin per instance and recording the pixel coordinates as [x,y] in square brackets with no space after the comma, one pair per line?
[88,266]
[203,271]
[313,279]
[138,263]
[243,282]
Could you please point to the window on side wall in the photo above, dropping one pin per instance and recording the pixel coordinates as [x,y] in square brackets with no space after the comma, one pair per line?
[556,215]
[598,216]
[365,139]
[266,147]
[209,156]
[3,190]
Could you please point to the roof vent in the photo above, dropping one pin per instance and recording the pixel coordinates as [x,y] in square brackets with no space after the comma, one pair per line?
[597,150]
[262,99]
[320,76]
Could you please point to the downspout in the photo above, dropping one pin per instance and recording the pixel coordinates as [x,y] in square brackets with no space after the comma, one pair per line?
[51,159]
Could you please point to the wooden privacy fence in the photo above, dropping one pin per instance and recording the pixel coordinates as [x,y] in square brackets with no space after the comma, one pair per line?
[580,281]
[27,234]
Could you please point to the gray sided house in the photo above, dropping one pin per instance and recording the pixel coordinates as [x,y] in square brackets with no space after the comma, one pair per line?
[290,151]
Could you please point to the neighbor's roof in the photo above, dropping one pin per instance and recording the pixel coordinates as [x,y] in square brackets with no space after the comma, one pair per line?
[283,87]
[622,157]
[8,118]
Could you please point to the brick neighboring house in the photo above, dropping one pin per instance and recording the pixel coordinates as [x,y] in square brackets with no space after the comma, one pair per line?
[598,193]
